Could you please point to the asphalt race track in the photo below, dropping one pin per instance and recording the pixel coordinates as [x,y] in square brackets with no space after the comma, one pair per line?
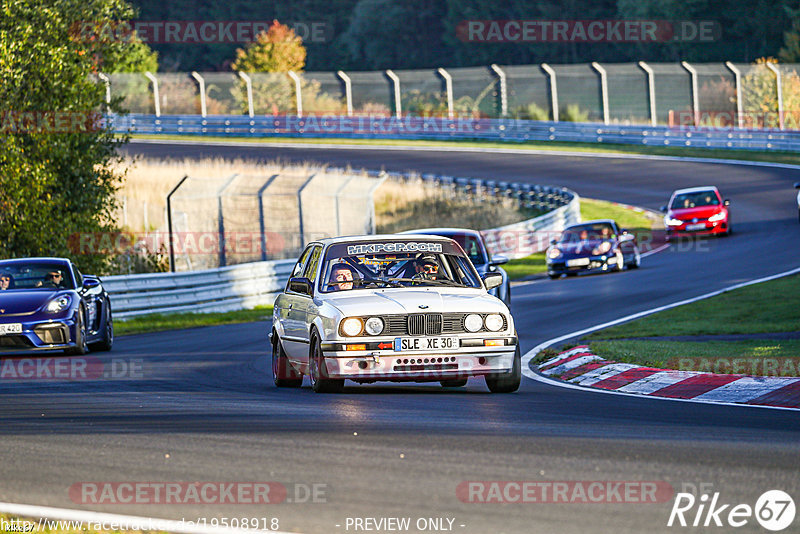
[203,407]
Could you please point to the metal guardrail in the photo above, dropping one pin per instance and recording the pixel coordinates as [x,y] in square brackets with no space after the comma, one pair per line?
[252,284]
[435,128]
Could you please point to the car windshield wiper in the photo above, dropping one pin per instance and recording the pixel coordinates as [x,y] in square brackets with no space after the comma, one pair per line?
[389,282]
[428,280]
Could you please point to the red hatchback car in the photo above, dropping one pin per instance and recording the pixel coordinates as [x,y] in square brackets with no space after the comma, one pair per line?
[697,211]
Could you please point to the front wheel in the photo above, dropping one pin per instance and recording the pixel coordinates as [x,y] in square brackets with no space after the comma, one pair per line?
[80,347]
[318,372]
[637,260]
[507,382]
[283,374]
[107,341]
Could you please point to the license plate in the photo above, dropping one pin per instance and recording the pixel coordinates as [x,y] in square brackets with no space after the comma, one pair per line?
[11,328]
[700,226]
[579,262]
[403,344]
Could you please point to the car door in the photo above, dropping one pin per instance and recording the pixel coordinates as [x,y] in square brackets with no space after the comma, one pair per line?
[304,310]
[290,321]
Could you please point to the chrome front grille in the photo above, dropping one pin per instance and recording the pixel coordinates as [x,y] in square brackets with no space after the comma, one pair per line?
[416,324]
[431,324]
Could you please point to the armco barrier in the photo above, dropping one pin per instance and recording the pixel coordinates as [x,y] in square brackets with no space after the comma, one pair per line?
[253,284]
[434,128]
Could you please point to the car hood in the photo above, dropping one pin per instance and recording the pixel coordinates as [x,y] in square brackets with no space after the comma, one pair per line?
[401,301]
[700,212]
[23,302]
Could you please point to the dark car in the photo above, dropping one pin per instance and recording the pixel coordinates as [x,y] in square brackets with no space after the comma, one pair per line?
[473,244]
[47,304]
[593,246]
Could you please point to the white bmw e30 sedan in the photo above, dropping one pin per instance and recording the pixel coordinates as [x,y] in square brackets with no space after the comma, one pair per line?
[391,308]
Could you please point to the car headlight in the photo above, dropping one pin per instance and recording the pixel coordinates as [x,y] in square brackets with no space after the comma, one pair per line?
[602,248]
[58,304]
[473,322]
[717,217]
[669,221]
[373,326]
[494,322]
[352,326]
[554,253]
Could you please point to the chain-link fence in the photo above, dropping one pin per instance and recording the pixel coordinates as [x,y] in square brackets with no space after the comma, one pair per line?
[218,221]
[676,94]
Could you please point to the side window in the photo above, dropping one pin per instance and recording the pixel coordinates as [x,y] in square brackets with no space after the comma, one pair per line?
[78,277]
[310,270]
[298,267]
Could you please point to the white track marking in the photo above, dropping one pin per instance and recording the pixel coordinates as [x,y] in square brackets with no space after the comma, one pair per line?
[747,388]
[652,383]
[601,373]
[129,522]
[528,356]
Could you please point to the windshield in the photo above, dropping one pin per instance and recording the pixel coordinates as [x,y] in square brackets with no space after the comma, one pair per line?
[588,232]
[694,200]
[48,276]
[360,266]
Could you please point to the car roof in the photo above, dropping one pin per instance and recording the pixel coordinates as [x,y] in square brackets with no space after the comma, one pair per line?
[593,221]
[35,260]
[378,237]
[698,189]
[443,231]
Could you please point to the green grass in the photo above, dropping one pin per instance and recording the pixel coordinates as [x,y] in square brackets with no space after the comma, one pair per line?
[755,356]
[633,220]
[159,322]
[760,308]
[741,155]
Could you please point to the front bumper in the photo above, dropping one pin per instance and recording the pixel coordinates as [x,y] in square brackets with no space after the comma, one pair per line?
[601,263]
[710,228]
[39,336]
[419,366]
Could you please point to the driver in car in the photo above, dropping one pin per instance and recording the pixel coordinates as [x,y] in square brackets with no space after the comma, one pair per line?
[342,277]
[427,267]
[6,282]
[51,280]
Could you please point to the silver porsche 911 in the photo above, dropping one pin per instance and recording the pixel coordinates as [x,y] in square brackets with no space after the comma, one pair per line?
[391,308]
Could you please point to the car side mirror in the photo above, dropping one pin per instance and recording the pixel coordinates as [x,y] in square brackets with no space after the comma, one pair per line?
[492,280]
[498,259]
[625,237]
[726,202]
[300,285]
[90,283]
[553,241]
[663,209]
[797,185]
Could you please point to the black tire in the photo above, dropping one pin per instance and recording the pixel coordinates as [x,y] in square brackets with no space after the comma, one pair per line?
[507,382]
[80,347]
[637,260]
[284,375]
[455,383]
[107,341]
[554,276]
[317,371]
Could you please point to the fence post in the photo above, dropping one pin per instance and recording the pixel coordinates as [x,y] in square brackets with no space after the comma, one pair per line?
[221,220]
[249,84]
[448,84]
[202,83]
[695,96]
[300,209]
[553,90]
[154,81]
[381,178]
[261,224]
[169,223]
[651,90]
[107,83]
[298,91]
[348,91]
[503,90]
[398,107]
[338,193]
[777,72]
[603,89]
[737,77]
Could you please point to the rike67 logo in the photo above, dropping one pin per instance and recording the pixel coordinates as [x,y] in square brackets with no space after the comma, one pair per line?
[774,510]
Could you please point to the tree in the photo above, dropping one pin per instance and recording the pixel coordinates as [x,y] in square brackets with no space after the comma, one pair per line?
[56,154]
[278,49]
